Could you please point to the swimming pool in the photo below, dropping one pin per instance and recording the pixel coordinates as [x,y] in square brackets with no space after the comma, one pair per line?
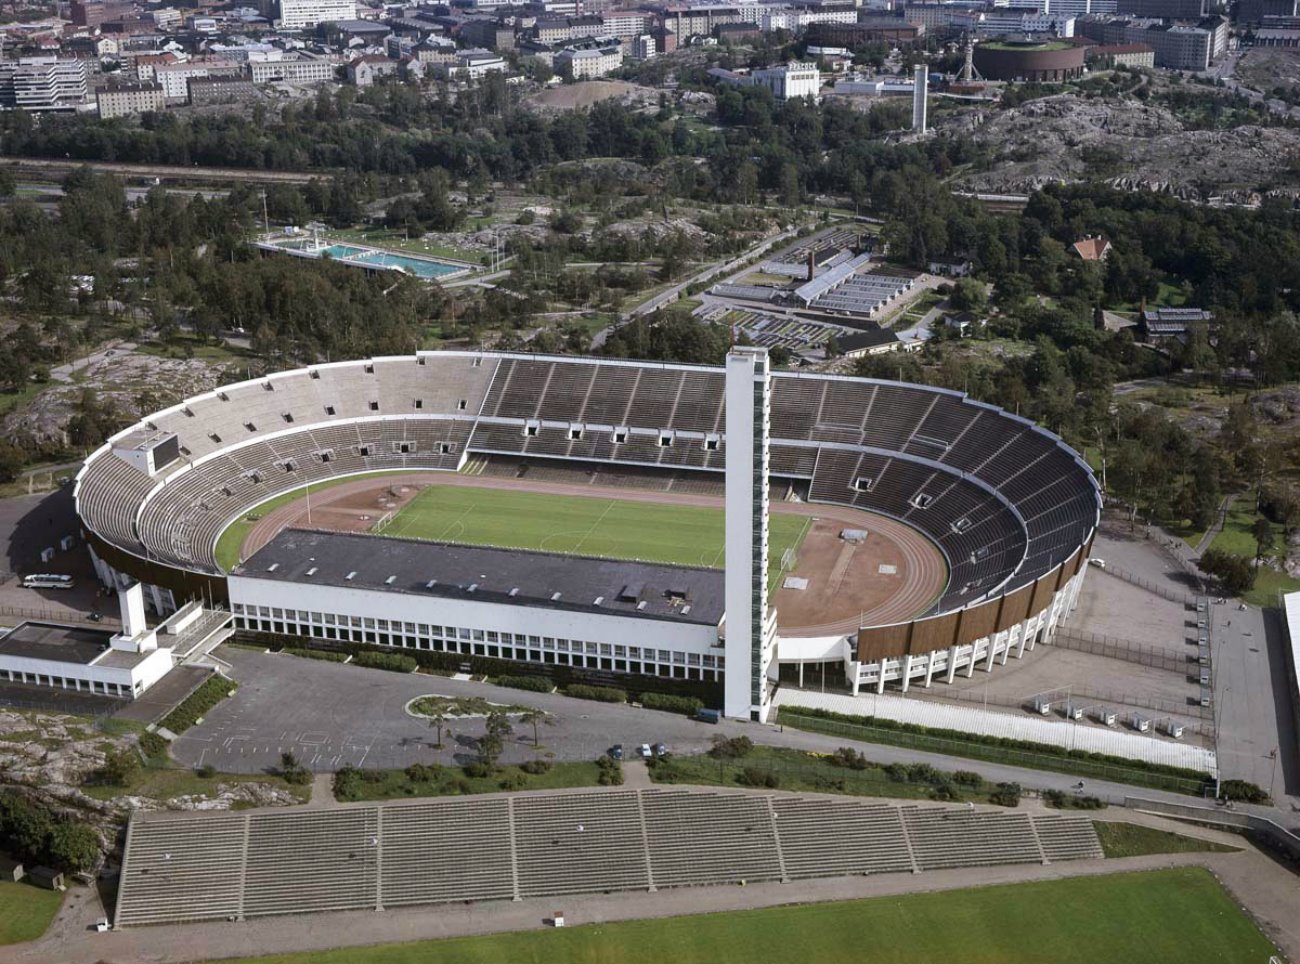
[420,267]
[357,256]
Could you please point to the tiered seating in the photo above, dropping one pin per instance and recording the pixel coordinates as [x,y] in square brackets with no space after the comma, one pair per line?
[826,838]
[182,870]
[325,860]
[444,850]
[579,843]
[705,838]
[976,838]
[1067,838]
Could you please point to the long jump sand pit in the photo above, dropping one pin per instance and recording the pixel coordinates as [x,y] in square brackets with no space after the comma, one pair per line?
[894,574]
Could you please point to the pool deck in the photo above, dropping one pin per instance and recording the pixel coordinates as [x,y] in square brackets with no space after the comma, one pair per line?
[293,244]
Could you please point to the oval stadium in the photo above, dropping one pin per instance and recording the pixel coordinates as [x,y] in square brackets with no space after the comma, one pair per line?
[570,511]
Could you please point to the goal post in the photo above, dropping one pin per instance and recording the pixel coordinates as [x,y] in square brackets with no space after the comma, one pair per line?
[383,521]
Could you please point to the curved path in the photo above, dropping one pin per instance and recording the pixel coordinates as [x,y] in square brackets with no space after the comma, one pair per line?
[924,571]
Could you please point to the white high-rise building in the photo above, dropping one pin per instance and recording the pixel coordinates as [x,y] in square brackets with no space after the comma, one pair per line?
[750,645]
[920,81]
[43,84]
[296,14]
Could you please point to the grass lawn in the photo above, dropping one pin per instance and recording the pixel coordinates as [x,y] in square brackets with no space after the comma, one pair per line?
[444,781]
[1237,538]
[651,532]
[1135,840]
[1161,917]
[232,537]
[26,911]
[165,783]
[811,772]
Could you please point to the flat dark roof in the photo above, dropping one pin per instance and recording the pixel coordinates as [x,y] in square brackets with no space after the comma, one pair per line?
[504,576]
[62,644]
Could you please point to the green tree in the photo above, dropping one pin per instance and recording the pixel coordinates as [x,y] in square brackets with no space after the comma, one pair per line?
[73,845]
[1234,573]
[1262,530]
[493,741]
[534,717]
[437,720]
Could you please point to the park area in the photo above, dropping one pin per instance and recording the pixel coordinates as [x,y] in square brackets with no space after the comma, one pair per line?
[577,525]
[26,911]
[1160,917]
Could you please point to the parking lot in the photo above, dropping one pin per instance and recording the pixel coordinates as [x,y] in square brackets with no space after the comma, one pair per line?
[330,715]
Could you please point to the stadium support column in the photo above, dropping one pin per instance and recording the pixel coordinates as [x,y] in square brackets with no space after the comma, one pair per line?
[920,80]
[750,628]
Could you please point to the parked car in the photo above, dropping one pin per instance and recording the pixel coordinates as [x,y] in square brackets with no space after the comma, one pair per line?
[616,751]
[645,751]
[661,750]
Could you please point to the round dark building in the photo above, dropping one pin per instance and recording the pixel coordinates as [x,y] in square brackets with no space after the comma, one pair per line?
[1048,61]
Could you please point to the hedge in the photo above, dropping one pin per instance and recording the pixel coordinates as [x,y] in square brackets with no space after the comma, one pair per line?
[601,694]
[195,706]
[394,662]
[537,684]
[316,654]
[689,705]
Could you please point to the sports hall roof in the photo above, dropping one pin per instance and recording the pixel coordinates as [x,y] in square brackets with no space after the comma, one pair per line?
[504,576]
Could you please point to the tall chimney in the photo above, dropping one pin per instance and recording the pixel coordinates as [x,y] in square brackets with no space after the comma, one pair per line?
[812,263]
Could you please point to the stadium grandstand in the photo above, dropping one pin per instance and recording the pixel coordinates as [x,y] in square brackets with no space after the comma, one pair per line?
[216,866]
[1010,507]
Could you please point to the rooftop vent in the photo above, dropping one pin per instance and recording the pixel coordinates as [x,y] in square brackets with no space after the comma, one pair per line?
[431,583]
[473,587]
[312,571]
[640,606]
[598,600]
[555,597]
[350,576]
[630,592]
[686,610]
[514,591]
[272,567]
[390,580]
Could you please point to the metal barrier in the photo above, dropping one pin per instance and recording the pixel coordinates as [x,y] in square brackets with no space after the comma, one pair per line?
[1113,647]
[57,616]
[1272,832]
[1163,591]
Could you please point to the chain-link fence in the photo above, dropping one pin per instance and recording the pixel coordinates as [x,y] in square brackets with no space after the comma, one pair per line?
[1127,650]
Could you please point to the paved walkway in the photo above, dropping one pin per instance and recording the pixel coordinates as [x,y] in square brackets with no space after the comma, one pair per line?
[1268,891]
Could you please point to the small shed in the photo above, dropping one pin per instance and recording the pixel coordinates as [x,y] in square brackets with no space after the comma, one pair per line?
[10,869]
[47,877]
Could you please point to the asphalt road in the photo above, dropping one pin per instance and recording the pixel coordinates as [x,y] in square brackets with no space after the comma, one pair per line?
[329,715]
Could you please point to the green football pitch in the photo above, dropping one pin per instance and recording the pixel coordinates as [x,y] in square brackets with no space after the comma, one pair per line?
[1162,917]
[578,525]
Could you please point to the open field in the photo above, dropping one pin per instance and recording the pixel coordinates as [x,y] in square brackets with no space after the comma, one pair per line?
[1171,916]
[650,532]
[1236,537]
[25,911]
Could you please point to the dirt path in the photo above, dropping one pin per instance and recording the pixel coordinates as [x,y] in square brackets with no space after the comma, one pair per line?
[866,595]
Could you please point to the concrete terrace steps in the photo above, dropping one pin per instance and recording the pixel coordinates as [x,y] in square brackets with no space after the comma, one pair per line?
[212,866]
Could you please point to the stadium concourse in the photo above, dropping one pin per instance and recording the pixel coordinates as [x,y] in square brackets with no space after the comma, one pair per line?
[1011,509]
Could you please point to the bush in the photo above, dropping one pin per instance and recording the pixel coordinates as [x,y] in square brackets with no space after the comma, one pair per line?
[423,772]
[120,767]
[758,777]
[478,770]
[514,781]
[347,782]
[1242,790]
[730,748]
[611,772]
[1006,795]
[601,694]
[946,792]
[689,705]
[536,767]
[214,689]
[848,758]
[151,744]
[967,778]
[293,772]
[393,662]
[33,833]
[535,684]
[206,772]
[325,654]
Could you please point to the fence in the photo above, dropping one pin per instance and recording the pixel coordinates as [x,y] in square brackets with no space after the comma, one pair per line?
[1076,695]
[56,616]
[1127,650]
[1065,762]
[1146,584]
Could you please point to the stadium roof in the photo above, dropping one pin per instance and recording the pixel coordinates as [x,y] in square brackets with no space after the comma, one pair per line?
[505,576]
